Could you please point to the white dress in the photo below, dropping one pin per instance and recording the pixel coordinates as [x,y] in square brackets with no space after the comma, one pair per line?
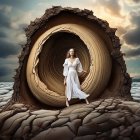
[73,89]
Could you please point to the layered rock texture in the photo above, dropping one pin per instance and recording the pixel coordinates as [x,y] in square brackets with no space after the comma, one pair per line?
[39,78]
[37,108]
[105,119]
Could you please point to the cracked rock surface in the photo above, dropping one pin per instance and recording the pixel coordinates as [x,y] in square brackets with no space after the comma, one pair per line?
[103,119]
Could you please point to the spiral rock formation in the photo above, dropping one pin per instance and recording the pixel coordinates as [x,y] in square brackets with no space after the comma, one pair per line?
[39,79]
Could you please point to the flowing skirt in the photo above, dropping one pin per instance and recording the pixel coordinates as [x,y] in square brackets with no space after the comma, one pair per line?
[73,89]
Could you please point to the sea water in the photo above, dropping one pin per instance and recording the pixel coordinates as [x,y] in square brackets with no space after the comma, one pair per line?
[6,91]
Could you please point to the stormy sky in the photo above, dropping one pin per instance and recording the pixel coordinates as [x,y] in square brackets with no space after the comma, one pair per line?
[17,14]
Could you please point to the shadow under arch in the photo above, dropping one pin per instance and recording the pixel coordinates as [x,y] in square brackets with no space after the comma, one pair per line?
[50,67]
[106,81]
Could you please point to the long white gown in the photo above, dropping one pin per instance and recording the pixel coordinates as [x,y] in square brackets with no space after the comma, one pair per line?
[73,89]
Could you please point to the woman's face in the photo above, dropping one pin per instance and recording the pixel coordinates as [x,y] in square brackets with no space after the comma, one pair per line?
[71,51]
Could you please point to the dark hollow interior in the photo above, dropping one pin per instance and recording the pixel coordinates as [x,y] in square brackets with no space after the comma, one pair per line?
[52,56]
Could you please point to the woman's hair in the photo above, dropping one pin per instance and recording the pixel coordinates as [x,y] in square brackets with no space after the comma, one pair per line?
[68,54]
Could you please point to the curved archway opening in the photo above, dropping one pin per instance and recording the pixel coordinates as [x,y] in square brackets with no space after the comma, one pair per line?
[94,82]
[52,56]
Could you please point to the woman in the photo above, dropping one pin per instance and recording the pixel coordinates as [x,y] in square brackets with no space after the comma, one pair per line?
[72,65]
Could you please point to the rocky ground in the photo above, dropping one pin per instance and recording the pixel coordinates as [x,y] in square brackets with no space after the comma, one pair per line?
[104,119]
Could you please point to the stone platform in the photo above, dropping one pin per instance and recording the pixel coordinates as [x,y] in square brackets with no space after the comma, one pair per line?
[105,119]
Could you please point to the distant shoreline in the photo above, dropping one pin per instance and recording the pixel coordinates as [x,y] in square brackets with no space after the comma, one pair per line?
[135,79]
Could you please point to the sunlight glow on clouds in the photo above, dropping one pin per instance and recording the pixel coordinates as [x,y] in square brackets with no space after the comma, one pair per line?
[15,15]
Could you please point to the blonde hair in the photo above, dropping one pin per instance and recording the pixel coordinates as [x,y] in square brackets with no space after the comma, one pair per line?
[68,53]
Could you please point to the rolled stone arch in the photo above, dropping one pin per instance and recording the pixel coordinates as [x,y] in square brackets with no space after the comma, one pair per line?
[98,75]
[39,80]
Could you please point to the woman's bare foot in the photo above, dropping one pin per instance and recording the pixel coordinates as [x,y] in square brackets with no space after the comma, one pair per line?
[86,101]
[67,103]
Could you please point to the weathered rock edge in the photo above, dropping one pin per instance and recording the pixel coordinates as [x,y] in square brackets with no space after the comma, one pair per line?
[124,91]
[103,119]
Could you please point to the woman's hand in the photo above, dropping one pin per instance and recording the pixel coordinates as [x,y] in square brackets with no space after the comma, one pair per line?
[64,82]
[84,71]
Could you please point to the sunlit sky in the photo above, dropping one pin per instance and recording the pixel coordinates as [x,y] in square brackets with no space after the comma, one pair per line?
[17,14]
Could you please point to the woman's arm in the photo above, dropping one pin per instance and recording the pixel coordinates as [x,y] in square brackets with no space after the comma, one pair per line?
[65,78]
[80,68]
[83,72]
[65,69]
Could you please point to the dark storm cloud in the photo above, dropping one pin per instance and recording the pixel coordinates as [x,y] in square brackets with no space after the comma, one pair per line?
[2,34]
[21,4]
[4,20]
[14,3]
[133,52]
[132,36]
[136,1]
[5,71]
[8,48]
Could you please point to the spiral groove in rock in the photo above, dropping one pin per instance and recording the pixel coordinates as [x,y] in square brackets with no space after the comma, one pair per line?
[39,78]
[101,61]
